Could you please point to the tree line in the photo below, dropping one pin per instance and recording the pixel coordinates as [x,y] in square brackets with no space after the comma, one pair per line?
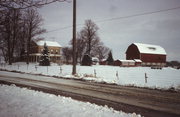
[88,43]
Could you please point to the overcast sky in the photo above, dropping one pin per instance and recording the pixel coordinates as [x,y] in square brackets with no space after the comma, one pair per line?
[162,28]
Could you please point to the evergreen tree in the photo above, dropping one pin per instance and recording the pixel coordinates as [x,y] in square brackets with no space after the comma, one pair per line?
[44,61]
[110,59]
[87,60]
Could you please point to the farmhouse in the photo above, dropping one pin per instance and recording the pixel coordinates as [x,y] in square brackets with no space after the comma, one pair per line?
[150,55]
[38,46]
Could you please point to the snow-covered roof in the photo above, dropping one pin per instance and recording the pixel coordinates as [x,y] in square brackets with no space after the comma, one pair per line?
[137,60]
[48,43]
[95,59]
[150,49]
[131,61]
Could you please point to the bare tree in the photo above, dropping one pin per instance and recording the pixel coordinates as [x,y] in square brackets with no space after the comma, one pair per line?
[22,37]
[67,53]
[88,42]
[24,4]
[18,27]
[80,47]
[9,32]
[14,29]
[33,26]
[90,35]
[101,52]
[2,34]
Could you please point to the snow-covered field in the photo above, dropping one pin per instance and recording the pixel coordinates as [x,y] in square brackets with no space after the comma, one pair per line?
[22,102]
[135,76]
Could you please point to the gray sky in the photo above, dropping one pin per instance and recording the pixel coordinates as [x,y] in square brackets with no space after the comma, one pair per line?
[162,28]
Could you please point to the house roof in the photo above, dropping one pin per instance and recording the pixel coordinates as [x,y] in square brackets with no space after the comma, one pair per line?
[150,49]
[48,43]
[95,59]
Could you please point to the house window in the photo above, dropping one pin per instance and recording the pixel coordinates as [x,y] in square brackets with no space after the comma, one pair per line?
[56,51]
[51,51]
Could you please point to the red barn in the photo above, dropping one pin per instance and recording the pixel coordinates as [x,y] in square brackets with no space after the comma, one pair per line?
[150,55]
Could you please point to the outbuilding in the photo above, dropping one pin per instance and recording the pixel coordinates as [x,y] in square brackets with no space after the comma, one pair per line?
[95,60]
[127,63]
[138,62]
[150,55]
[124,63]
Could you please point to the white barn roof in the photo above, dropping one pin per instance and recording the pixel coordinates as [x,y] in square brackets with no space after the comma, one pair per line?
[150,49]
[48,43]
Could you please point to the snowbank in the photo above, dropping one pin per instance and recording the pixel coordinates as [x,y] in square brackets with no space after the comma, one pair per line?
[22,102]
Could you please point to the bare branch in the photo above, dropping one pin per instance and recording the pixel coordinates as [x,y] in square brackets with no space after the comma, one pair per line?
[24,4]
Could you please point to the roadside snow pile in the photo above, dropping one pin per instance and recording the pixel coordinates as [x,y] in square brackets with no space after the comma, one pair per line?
[167,78]
[22,102]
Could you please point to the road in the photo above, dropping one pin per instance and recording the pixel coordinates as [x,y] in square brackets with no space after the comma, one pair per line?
[147,102]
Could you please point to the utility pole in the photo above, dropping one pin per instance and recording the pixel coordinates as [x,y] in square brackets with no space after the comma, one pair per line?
[74,38]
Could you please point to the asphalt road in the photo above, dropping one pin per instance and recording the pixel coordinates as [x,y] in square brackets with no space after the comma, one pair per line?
[147,102]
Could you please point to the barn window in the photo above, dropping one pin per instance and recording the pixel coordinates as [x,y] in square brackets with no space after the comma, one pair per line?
[152,48]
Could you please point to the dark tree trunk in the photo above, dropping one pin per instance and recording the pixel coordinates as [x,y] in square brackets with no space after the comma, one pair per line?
[9,50]
[28,47]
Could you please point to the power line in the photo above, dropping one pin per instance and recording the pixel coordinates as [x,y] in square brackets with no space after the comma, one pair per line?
[140,14]
[66,27]
[123,17]
[63,28]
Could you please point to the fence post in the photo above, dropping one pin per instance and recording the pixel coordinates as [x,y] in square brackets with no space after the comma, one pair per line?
[27,66]
[146,78]
[95,73]
[36,67]
[117,75]
[60,70]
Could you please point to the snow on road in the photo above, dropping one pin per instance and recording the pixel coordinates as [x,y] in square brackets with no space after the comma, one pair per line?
[162,79]
[22,102]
